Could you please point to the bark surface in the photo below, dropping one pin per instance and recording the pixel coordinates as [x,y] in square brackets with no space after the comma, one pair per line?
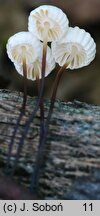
[72,156]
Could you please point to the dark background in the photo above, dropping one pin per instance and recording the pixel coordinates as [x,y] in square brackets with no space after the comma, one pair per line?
[82,84]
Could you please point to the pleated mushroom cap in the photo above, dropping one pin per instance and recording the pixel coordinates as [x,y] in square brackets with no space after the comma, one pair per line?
[23,45]
[48,20]
[77,48]
[34,69]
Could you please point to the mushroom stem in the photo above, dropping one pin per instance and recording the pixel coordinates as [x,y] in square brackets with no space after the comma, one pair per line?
[40,99]
[41,148]
[25,85]
[20,116]
[43,68]
[41,111]
[42,89]
[41,103]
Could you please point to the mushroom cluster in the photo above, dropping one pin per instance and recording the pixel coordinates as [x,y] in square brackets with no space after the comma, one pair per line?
[73,47]
[34,58]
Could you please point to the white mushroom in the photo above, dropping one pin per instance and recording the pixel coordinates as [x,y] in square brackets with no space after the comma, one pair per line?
[48,22]
[34,68]
[76,49]
[23,46]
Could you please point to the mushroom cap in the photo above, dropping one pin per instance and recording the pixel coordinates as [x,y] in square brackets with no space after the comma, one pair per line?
[77,48]
[48,20]
[23,45]
[34,69]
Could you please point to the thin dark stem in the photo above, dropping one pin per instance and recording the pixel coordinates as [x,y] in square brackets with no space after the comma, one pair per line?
[41,120]
[42,124]
[25,85]
[41,91]
[41,149]
[20,116]
[41,114]
[41,104]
